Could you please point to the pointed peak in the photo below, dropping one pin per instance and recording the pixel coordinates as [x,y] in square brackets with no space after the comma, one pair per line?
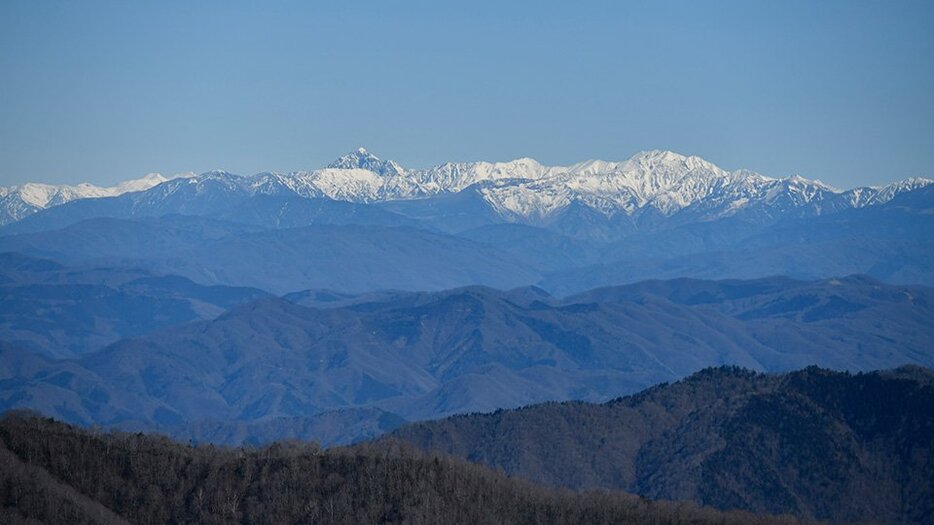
[521,161]
[360,158]
[354,158]
[659,155]
[797,179]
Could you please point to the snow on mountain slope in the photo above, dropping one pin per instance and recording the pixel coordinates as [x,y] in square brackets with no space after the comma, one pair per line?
[525,189]
[519,190]
[867,196]
[669,183]
[660,179]
[17,202]
[362,159]
[360,176]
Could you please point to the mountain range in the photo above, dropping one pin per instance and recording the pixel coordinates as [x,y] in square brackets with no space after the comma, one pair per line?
[418,355]
[653,183]
[365,224]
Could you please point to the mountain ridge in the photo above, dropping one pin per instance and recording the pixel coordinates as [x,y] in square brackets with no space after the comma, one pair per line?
[19,201]
[525,190]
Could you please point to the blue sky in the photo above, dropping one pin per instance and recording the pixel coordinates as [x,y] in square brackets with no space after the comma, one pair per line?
[105,91]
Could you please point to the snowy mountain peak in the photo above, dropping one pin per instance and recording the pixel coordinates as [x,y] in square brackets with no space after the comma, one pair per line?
[798,180]
[360,158]
[658,156]
[654,160]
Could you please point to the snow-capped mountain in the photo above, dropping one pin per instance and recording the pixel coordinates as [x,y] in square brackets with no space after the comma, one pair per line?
[364,160]
[668,183]
[20,201]
[523,190]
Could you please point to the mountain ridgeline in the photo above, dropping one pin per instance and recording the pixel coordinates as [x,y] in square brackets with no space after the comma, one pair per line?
[813,443]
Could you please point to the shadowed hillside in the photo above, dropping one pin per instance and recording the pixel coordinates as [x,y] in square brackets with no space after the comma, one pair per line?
[54,473]
[814,443]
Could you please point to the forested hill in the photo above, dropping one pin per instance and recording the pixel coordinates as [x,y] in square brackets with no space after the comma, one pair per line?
[815,443]
[54,473]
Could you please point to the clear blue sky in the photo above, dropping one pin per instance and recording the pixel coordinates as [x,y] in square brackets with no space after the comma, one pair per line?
[104,91]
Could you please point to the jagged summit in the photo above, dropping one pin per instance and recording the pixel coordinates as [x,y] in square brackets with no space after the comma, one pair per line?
[659,155]
[360,158]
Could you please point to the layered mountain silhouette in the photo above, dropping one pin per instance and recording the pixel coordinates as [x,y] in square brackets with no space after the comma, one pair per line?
[426,355]
[61,311]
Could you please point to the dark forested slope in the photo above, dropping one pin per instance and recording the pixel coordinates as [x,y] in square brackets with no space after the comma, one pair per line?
[54,473]
[815,443]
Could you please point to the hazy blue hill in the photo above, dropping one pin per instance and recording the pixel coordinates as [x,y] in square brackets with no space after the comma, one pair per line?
[773,297]
[424,355]
[894,261]
[585,223]
[450,212]
[908,216]
[292,211]
[815,443]
[332,299]
[355,259]
[537,247]
[892,241]
[692,291]
[120,241]
[63,311]
[17,262]
[340,257]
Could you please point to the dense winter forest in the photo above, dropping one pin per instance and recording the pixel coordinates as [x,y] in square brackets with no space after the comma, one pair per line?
[55,473]
[814,443]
